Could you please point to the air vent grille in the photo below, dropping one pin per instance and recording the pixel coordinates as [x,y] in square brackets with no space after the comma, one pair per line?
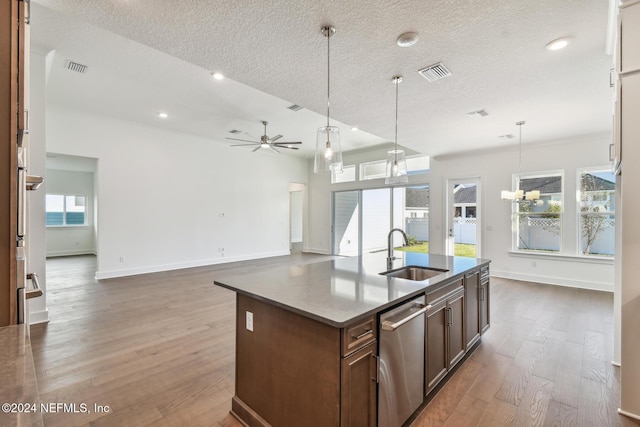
[478,113]
[235,131]
[435,72]
[75,66]
[294,107]
[507,136]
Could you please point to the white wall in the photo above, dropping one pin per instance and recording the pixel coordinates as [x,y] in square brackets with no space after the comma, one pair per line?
[170,200]
[77,239]
[495,169]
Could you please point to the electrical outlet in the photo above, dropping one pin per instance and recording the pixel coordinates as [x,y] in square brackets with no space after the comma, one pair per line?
[121,258]
[249,321]
[534,264]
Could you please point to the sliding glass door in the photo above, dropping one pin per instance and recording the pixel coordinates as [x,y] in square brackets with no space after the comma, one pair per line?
[362,219]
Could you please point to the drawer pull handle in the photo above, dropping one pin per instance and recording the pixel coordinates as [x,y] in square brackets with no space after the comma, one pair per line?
[364,334]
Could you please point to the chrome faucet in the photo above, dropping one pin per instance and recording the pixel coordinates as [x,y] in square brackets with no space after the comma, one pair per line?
[390,256]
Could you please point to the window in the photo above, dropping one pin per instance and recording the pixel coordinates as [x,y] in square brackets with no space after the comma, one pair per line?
[373,170]
[596,213]
[416,165]
[538,223]
[65,210]
[348,175]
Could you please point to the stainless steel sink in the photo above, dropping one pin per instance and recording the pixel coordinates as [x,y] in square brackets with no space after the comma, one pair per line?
[416,273]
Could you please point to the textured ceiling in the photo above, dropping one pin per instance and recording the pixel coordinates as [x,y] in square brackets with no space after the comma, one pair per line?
[274,55]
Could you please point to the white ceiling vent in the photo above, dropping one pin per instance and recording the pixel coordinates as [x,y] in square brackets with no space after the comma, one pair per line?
[435,72]
[478,113]
[235,131]
[294,107]
[74,66]
[507,136]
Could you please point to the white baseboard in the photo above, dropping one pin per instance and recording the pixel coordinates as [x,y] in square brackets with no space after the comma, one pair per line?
[628,414]
[321,251]
[177,266]
[560,281]
[55,254]
[38,317]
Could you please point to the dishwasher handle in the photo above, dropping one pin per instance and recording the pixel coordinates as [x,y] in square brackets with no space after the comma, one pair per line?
[392,326]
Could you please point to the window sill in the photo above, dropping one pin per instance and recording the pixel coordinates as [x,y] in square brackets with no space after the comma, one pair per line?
[58,227]
[563,257]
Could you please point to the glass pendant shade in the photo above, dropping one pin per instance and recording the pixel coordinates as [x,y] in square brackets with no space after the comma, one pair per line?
[328,156]
[396,172]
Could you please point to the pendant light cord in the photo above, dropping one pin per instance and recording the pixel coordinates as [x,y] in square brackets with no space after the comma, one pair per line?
[519,154]
[328,29]
[395,151]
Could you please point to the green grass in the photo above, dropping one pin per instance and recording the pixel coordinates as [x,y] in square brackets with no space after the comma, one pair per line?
[460,249]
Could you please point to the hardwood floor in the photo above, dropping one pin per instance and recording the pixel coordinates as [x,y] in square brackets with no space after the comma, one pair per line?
[158,349]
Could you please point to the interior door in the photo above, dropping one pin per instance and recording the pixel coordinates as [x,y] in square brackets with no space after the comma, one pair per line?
[464,214]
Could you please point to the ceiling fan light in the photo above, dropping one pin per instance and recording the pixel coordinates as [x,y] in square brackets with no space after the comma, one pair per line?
[328,157]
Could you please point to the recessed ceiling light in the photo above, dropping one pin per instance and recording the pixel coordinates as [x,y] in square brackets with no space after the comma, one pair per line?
[163,115]
[354,128]
[558,44]
[217,76]
[407,39]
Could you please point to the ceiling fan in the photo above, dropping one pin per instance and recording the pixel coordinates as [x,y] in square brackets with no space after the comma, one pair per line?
[266,142]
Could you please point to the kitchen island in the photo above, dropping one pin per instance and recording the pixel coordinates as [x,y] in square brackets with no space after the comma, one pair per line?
[306,335]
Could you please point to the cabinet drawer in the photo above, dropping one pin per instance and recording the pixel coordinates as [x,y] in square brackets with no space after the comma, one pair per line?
[358,335]
[444,291]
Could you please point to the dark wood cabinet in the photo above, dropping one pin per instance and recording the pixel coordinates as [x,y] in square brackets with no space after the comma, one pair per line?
[455,329]
[436,345]
[445,343]
[483,300]
[291,369]
[358,388]
[472,307]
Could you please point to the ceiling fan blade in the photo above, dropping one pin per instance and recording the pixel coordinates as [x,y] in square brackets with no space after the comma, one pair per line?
[287,143]
[243,140]
[288,148]
[276,137]
[243,145]
[256,149]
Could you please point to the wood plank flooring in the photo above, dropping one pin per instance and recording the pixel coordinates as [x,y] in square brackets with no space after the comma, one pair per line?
[158,350]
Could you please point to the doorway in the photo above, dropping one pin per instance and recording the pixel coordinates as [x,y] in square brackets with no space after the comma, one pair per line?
[296,217]
[463,217]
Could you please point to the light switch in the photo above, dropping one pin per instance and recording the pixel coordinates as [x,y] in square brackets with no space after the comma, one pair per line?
[249,321]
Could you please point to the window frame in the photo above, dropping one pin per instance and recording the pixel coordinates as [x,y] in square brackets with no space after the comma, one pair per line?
[65,211]
[515,214]
[578,225]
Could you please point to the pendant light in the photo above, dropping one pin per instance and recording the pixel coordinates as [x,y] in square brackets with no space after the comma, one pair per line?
[396,159]
[328,156]
[518,194]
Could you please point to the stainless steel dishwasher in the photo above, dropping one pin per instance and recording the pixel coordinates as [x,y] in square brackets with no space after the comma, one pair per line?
[401,374]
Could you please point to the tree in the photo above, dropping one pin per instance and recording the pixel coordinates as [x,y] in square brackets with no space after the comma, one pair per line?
[594,200]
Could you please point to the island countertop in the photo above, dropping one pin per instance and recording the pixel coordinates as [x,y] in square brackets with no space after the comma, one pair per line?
[341,291]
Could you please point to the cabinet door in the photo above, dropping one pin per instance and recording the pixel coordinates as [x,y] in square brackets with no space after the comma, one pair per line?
[471,294]
[484,306]
[629,35]
[358,398]
[436,345]
[455,329]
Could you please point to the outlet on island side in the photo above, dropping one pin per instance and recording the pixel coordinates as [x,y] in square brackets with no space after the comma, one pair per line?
[249,321]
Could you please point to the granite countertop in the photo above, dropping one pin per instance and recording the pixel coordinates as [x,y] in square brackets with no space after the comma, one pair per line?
[18,385]
[341,291]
